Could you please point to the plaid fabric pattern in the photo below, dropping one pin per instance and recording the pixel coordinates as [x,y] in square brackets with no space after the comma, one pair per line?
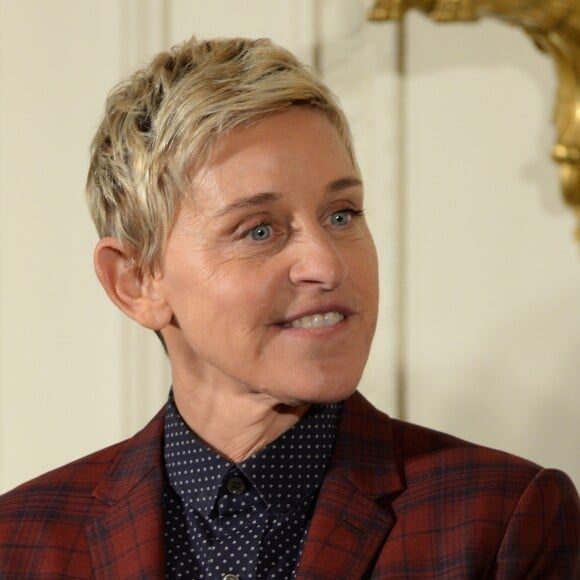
[398,501]
[402,501]
[99,517]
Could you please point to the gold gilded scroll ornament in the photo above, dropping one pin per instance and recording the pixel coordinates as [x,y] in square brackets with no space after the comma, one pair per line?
[554,26]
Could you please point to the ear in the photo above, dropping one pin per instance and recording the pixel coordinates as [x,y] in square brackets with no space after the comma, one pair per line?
[133,291]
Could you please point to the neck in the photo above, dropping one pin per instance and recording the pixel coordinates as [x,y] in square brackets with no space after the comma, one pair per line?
[234,424]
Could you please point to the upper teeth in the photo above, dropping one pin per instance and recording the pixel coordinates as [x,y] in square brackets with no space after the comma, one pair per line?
[316,320]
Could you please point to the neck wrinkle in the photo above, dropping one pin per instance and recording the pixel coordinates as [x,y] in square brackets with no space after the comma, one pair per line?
[236,427]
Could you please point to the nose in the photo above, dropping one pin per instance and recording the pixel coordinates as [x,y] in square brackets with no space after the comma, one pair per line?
[318,261]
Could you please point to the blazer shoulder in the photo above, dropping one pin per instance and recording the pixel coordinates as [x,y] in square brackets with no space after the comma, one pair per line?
[524,519]
[426,452]
[69,483]
[75,482]
[45,523]
[419,452]
[461,471]
[469,509]
[426,458]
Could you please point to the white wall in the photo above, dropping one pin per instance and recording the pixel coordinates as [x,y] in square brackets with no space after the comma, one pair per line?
[493,268]
[59,340]
[482,312]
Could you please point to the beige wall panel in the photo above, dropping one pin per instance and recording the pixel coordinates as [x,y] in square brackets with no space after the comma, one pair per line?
[288,22]
[59,338]
[494,272]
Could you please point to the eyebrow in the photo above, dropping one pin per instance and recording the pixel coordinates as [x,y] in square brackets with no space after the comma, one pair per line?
[251,201]
[266,197]
[343,183]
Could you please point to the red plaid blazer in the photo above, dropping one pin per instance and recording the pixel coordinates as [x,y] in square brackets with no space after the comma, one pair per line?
[398,501]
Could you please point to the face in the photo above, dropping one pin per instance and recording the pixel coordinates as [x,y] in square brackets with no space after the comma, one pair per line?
[270,270]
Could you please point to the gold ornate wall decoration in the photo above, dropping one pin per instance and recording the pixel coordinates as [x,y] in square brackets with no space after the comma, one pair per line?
[554,26]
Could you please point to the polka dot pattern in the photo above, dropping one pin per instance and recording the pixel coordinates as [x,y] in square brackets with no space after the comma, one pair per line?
[248,520]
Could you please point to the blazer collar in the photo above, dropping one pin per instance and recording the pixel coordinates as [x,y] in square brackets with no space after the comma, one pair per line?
[353,518]
[139,456]
[364,452]
[126,540]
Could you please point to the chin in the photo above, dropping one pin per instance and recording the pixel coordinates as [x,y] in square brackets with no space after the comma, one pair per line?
[328,391]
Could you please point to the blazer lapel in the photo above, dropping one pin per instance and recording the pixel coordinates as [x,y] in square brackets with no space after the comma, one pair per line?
[352,518]
[342,542]
[126,540]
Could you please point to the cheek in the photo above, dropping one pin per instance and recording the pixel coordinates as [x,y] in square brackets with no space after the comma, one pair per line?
[364,267]
[246,292]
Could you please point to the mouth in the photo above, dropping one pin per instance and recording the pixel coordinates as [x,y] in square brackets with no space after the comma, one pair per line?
[316,320]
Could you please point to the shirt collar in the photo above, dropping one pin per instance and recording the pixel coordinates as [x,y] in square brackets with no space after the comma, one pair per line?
[285,473]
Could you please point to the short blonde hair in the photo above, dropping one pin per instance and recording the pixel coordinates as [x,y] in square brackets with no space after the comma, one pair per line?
[164,119]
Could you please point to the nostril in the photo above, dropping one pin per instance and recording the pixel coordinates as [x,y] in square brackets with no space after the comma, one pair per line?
[324,267]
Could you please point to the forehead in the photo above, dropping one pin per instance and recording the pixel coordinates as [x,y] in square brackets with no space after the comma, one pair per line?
[299,147]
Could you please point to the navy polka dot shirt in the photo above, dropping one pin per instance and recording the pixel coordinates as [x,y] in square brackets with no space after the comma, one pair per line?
[248,520]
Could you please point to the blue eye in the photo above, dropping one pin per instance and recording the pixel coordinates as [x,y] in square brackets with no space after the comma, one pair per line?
[260,233]
[341,218]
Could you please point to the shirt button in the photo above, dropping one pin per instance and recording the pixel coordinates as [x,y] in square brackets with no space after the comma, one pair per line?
[235,486]
[231,577]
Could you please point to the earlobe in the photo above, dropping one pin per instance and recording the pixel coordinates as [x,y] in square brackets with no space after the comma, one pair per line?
[133,291]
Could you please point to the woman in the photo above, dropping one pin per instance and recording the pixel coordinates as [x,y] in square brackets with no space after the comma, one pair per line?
[227,197]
